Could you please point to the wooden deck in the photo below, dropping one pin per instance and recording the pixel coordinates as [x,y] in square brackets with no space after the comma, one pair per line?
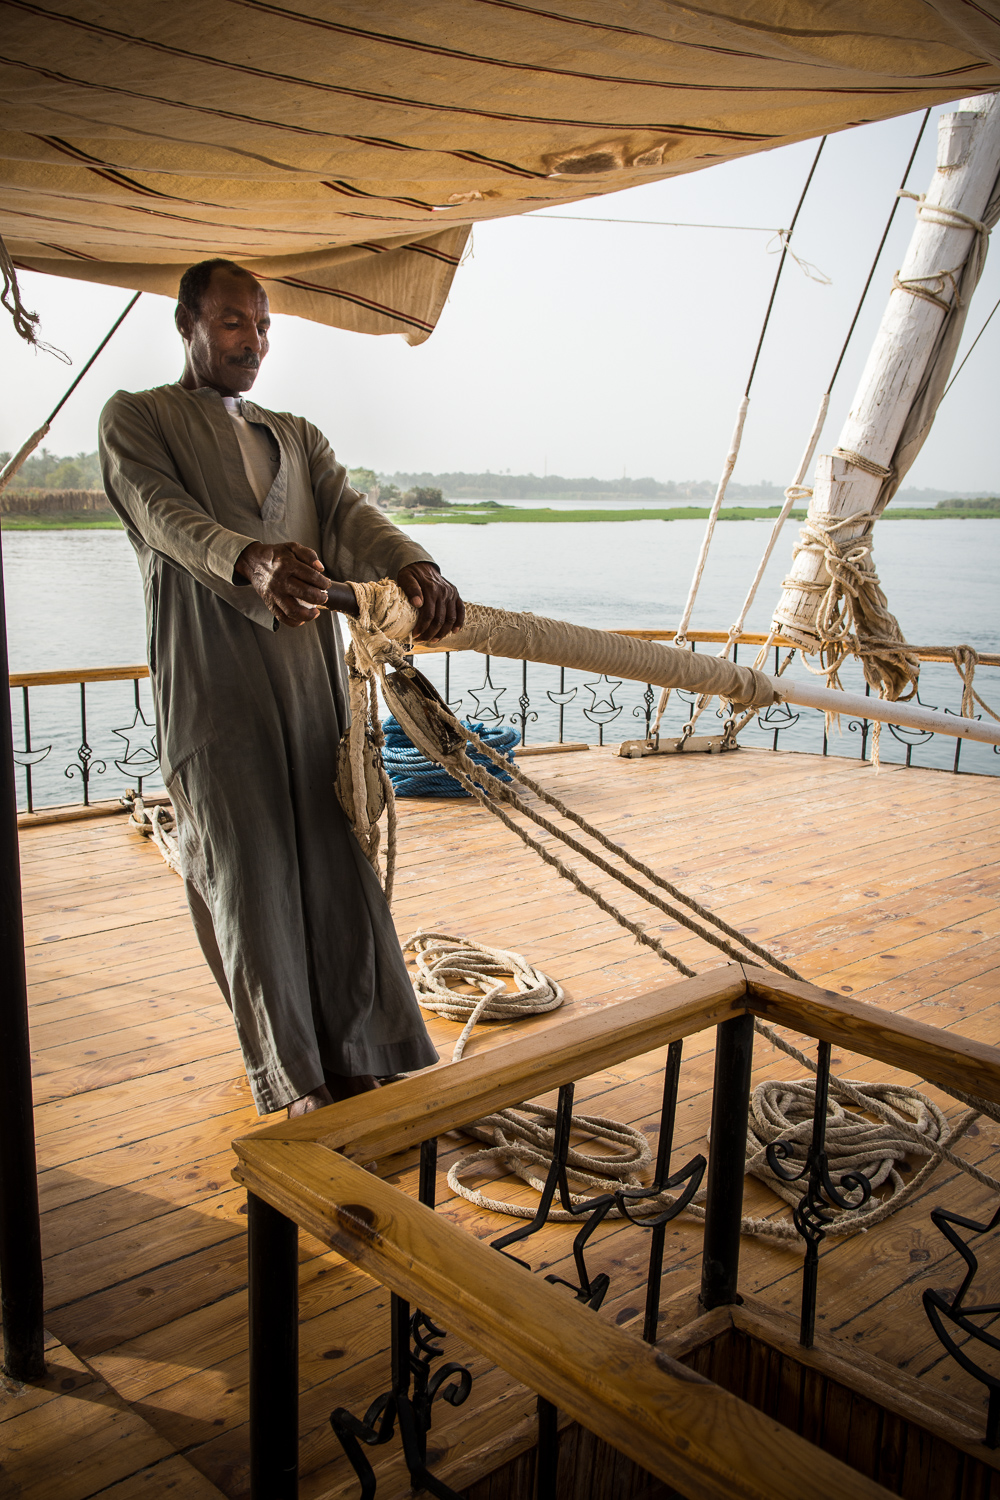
[885,887]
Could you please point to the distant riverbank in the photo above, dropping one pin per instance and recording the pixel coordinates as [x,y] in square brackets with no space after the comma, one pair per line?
[458,515]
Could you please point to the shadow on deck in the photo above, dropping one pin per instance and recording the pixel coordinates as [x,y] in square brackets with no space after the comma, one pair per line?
[884,888]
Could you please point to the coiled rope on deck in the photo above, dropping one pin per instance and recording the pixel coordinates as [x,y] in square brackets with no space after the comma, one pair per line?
[413,774]
[912,1124]
[521,1140]
[443,960]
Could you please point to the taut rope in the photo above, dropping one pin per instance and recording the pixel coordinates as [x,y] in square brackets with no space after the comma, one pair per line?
[911,1124]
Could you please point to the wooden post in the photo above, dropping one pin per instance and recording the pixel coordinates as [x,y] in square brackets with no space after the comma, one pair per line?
[20,1236]
[967,164]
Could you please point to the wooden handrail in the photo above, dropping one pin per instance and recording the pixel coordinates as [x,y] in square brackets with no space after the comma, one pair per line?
[449,1096]
[446,1097]
[707,637]
[673,1422]
[79,674]
[940,1057]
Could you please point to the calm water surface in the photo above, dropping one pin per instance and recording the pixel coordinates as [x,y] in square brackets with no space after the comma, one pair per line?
[74,600]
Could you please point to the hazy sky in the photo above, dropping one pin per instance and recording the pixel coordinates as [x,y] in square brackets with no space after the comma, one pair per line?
[585,348]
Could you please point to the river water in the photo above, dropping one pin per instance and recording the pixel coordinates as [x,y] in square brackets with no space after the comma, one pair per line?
[74,600]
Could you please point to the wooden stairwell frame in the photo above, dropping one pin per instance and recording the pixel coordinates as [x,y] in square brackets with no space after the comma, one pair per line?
[689,1432]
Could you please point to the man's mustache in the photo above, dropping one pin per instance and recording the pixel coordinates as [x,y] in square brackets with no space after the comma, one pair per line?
[246,361]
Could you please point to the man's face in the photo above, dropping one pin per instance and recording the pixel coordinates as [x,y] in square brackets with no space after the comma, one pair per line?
[227,341]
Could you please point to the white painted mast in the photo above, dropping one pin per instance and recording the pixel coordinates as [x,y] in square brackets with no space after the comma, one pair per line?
[832,598]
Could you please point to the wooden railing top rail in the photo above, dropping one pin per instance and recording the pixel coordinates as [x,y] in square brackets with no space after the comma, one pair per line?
[706,637]
[449,1096]
[672,1421]
[78,674]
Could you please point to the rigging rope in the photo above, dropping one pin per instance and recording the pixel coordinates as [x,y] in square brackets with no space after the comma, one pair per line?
[735,441]
[797,490]
[429,723]
[27,449]
[413,775]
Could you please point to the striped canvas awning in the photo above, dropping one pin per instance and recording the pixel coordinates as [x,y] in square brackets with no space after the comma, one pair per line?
[342,151]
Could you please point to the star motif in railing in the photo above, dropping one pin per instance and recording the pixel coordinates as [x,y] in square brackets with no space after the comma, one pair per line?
[489,695]
[140,745]
[603,705]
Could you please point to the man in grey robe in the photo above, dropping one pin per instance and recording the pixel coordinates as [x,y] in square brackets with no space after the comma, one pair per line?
[240,519]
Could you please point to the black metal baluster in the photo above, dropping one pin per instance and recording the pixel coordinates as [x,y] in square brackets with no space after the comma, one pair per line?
[958,754]
[547,1455]
[427,1184]
[274,1352]
[524,704]
[447,676]
[562,706]
[138,709]
[20,1239]
[817,1150]
[668,1113]
[864,726]
[27,747]
[85,750]
[812,1214]
[727,1156]
[556,1177]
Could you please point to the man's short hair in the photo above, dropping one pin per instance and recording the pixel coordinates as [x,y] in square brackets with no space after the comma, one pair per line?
[194,282]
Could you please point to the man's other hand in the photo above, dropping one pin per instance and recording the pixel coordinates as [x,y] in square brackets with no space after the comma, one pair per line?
[288,577]
[439,607]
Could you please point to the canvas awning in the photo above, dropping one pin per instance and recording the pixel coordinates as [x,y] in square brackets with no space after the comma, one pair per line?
[341,151]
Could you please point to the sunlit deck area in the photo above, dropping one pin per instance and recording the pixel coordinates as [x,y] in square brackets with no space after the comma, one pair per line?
[882,887]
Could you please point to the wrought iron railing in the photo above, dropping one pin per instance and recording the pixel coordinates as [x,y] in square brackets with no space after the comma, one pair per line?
[308,1173]
[95,729]
[555,705]
[92,727]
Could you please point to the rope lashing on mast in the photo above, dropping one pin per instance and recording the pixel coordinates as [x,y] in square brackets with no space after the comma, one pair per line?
[940,273]
[798,490]
[853,604]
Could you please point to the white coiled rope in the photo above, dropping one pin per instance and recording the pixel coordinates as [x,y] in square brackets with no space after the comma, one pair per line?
[521,1140]
[444,961]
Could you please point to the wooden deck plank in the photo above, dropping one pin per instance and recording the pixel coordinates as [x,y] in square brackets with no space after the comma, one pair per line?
[141,1088]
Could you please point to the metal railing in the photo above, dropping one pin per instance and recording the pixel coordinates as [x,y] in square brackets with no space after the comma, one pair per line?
[92,723]
[555,705]
[546,1331]
[96,721]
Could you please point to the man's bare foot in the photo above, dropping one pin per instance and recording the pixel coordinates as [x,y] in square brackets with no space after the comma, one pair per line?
[346,1088]
[318,1099]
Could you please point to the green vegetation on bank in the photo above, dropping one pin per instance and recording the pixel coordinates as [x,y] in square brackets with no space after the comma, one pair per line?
[456,515]
[53,493]
[459,515]
[66,521]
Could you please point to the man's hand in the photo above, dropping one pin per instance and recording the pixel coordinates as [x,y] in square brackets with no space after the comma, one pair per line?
[440,610]
[288,577]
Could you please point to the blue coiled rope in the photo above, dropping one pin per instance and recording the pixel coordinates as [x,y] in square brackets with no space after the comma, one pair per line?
[413,775]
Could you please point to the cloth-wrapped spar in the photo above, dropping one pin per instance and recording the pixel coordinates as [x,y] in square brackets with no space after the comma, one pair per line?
[413,775]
